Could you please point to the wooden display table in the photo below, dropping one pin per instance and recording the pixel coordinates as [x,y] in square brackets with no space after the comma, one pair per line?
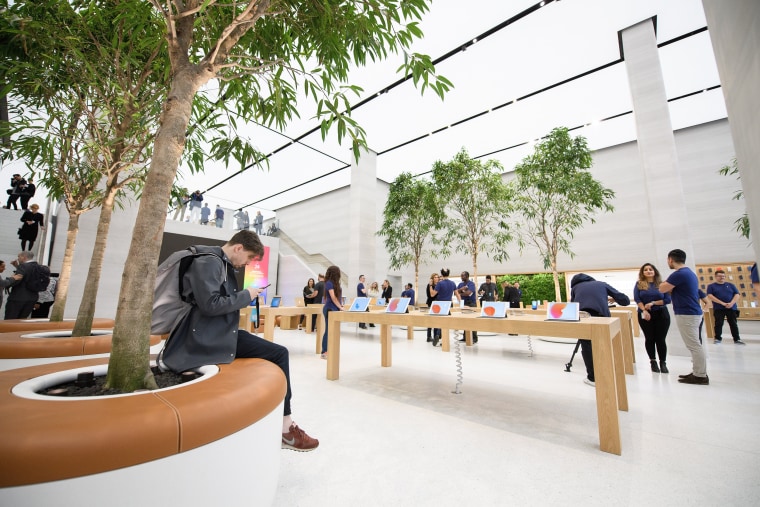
[269,314]
[604,333]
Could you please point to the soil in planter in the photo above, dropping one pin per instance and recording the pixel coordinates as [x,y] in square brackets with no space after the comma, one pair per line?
[96,386]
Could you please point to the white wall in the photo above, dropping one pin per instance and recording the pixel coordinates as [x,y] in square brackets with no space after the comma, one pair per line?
[618,240]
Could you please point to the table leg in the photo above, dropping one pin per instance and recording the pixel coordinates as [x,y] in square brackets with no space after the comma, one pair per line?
[269,328]
[445,340]
[606,394]
[468,338]
[410,332]
[386,345]
[320,332]
[333,349]
[625,327]
[619,361]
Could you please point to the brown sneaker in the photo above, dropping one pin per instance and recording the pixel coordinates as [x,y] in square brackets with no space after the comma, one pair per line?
[693,379]
[297,440]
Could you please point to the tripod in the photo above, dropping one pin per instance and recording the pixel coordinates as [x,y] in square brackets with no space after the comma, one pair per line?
[575,351]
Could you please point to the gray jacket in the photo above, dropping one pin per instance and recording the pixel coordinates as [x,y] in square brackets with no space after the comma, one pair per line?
[208,334]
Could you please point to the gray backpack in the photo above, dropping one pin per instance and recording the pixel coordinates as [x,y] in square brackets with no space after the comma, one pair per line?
[170,306]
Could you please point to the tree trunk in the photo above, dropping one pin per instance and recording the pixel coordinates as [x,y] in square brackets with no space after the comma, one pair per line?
[83,324]
[555,275]
[128,367]
[62,289]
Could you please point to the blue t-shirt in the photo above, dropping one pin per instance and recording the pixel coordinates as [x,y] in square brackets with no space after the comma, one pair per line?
[359,290]
[723,291]
[329,303]
[445,289]
[408,293]
[685,294]
[652,293]
[468,300]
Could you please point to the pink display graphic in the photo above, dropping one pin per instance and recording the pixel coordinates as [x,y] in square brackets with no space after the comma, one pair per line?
[257,273]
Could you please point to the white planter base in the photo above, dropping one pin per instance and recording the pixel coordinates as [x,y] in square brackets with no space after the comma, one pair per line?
[241,469]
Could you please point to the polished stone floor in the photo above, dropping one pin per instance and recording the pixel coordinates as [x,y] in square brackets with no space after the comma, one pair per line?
[523,431]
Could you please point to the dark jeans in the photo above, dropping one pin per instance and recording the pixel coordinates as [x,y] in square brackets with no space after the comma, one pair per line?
[325,312]
[586,352]
[18,309]
[474,333]
[250,345]
[727,314]
[655,331]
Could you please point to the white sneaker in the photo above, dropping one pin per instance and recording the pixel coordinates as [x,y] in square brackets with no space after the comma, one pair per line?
[589,382]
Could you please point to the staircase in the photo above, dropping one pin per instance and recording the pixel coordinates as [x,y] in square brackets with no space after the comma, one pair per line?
[318,261]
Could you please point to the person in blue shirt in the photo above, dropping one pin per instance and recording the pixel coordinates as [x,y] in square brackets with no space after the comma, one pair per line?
[724,296]
[593,296]
[444,290]
[408,292]
[683,287]
[653,314]
[331,300]
[466,291]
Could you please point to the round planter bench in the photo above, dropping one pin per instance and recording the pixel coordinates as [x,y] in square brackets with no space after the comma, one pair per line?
[215,440]
[7,326]
[21,345]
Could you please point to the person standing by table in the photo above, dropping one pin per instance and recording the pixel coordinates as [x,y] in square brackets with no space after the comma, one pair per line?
[309,293]
[444,290]
[592,297]
[361,292]
[724,296]
[429,300]
[408,292]
[387,291]
[487,291]
[466,291]
[683,286]
[319,288]
[653,315]
[331,300]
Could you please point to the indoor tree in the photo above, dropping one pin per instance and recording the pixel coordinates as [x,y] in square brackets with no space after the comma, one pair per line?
[84,128]
[476,203]
[741,224]
[554,195]
[410,219]
[260,53]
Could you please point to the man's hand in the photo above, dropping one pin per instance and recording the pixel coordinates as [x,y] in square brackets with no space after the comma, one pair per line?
[254,292]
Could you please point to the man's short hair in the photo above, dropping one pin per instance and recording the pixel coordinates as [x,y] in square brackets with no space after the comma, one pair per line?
[677,255]
[488,277]
[250,242]
[27,255]
[360,277]
[466,273]
[720,271]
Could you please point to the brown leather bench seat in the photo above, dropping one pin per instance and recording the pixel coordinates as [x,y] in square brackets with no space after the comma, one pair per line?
[7,326]
[42,441]
[14,346]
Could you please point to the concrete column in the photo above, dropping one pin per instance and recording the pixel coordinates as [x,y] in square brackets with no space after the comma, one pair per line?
[656,143]
[735,33]
[362,218]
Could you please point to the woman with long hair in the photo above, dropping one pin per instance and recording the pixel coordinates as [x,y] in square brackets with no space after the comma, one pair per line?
[653,315]
[309,293]
[332,300]
[429,301]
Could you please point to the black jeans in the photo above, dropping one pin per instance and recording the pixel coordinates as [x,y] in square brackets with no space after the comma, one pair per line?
[250,345]
[729,315]
[655,331]
[586,352]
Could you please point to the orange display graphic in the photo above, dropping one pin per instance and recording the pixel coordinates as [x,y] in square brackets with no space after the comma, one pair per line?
[489,310]
[556,310]
[393,305]
[436,308]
